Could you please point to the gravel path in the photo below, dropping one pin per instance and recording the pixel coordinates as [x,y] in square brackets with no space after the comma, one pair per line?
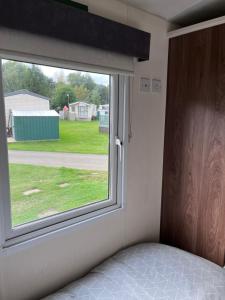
[55,159]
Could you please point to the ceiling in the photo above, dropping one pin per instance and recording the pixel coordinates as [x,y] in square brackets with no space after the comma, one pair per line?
[182,12]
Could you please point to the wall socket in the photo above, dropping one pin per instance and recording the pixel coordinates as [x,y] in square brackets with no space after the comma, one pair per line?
[156,86]
[145,84]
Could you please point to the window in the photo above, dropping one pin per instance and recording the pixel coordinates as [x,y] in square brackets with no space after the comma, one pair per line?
[83,112]
[57,166]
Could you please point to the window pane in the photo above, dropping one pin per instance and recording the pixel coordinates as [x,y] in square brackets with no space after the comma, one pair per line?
[58,124]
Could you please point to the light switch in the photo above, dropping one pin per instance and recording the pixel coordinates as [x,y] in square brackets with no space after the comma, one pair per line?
[156,86]
[145,85]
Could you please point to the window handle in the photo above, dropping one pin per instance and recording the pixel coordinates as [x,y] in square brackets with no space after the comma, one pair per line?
[119,144]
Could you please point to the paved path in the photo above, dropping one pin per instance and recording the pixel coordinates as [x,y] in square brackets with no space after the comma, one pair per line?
[56,159]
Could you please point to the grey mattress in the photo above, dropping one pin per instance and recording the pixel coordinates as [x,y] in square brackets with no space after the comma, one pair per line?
[149,271]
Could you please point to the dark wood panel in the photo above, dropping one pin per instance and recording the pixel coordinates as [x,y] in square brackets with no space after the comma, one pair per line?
[193,196]
[56,20]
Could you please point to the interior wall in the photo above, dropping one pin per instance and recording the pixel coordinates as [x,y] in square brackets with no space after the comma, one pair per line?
[32,271]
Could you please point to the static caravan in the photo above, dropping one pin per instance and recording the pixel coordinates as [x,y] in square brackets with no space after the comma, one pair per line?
[83,111]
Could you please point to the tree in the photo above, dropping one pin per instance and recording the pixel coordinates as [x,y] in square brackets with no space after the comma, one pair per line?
[13,73]
[79,86]
[82,93]
[17,76]
[87,90]
[64,94]
[37,82]
[103,93]
[95,97]
[78,79]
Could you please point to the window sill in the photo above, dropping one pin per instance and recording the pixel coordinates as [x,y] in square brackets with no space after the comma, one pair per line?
[31,239]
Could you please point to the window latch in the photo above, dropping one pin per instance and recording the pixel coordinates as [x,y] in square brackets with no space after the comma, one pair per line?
[119,144]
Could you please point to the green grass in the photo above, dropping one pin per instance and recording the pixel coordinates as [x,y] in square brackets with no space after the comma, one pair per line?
[84,187]
[75,137]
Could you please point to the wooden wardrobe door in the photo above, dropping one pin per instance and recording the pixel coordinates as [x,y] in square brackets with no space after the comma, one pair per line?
[193,196]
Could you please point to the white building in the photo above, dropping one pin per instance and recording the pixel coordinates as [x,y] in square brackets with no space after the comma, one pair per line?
[24,100]
[104,107]
[82,111]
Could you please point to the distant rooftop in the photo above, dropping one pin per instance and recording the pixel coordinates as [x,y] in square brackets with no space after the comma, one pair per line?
[25,92]
[79,103]
[32,113]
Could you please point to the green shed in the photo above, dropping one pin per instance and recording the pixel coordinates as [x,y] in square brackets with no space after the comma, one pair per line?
[35,125]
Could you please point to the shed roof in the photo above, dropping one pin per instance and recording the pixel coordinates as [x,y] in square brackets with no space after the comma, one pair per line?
[25,92]
[80,103]
[44,113]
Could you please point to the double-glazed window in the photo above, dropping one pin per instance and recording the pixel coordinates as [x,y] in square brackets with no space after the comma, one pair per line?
[58,166]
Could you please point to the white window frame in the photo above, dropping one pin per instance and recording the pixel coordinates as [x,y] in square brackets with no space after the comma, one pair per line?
[83,112]
[120,87]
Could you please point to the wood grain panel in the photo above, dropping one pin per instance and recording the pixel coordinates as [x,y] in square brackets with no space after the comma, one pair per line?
[193,197]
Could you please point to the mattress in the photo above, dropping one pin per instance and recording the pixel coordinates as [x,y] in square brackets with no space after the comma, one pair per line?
[149,271]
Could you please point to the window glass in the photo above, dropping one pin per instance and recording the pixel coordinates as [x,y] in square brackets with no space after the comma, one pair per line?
[83,111]
[58,134]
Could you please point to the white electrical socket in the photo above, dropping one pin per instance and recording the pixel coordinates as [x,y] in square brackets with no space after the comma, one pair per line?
[156,86]
[145,85]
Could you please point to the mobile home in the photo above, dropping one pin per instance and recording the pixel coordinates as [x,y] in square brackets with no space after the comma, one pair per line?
[83,111]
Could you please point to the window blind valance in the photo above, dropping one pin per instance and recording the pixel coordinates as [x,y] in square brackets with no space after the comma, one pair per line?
[53,19]
[49,51]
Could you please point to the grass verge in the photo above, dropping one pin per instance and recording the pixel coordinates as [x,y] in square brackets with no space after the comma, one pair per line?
[75,137]
[61,189]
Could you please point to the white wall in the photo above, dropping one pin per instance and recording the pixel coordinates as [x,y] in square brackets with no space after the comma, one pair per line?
[30,272]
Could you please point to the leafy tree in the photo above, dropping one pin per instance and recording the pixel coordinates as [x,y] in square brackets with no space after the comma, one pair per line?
[12,74]
[78,79]
[64,94]
[37,82]
[82,93]
[87,90]
[95,97]
[17,76]
[103,93]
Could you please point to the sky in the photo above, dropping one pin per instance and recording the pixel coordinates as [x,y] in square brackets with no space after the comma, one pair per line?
[53,72]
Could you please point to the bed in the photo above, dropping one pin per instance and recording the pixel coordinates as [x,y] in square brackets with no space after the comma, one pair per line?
[149,271]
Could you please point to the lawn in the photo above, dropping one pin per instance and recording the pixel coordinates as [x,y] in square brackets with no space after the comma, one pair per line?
[79,188]
[75,137]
